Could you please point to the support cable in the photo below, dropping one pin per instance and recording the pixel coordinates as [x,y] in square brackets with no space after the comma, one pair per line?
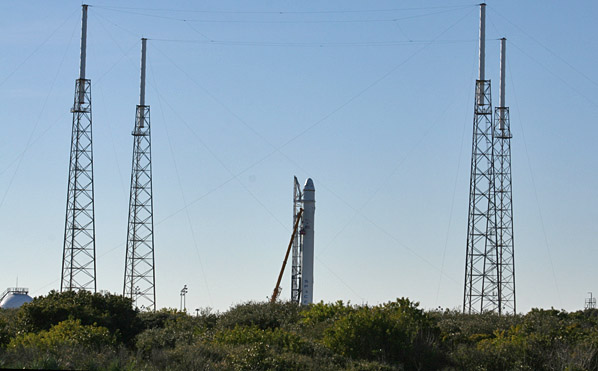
[235,177]
[282,12]
[299,135]
[448,228]
[559,77]
[332,21]
[531,174]
[21,64]
[30,138]
[554,54]
[178,177]
[278,149]
[325,117]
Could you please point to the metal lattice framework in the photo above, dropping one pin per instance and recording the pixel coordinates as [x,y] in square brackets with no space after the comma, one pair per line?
[297,245]
[482,289]
[504,210]
[78,258]
[139,265]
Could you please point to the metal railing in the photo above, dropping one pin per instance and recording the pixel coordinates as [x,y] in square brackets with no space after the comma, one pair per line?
[14,290]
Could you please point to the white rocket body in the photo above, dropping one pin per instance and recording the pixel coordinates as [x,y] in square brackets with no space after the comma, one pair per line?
[309,210]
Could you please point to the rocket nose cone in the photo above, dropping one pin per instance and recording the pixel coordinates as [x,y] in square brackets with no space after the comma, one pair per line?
[309,185]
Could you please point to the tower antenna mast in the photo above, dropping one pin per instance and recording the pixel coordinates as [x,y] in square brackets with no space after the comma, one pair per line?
[140,275]
[79,248]
[481,289]
[504,195]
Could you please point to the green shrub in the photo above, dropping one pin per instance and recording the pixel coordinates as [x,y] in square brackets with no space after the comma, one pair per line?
[162,338]
[80,330]
[8,326]
[66,333]
[170,329]
[394,332]
[317,318]
[66,357]
[278,338]
[457,328]
[262,315]
[113,312]
[321,312]
[157,319]
[5,334]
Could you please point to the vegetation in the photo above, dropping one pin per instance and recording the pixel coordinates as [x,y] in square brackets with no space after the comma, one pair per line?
[80,330]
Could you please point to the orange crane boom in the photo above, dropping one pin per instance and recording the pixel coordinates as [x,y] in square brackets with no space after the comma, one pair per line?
[286,258]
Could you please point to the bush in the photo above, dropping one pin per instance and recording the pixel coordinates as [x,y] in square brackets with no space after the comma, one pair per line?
[8,327]
[330,312]
[262,356]
[5,334]
[168,329]
[113,312]
[458,328]
[277,338]
[86,331]
[394,332]
[67,345]
[67,333]
[262,315]
[162,338]
[198,356]
[68,357]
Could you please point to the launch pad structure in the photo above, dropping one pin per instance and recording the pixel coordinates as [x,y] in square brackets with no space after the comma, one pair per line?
[302,270]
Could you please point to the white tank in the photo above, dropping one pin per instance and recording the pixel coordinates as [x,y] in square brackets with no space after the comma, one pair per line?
[14,297]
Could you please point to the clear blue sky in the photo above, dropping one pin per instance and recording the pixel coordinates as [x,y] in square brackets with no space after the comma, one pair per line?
[373,100]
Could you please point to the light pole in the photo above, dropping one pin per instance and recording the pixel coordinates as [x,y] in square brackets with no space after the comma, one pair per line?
[136,293]
[184,291]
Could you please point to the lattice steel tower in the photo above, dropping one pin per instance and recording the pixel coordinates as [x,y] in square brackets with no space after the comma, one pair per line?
[504,195]
[79,249]
[140,276]
[297,245]
[482,291]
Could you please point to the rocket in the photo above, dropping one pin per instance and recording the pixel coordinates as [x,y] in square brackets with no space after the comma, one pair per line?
[309,209]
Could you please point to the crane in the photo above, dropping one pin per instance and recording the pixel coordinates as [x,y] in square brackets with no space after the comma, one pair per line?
[286,257]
